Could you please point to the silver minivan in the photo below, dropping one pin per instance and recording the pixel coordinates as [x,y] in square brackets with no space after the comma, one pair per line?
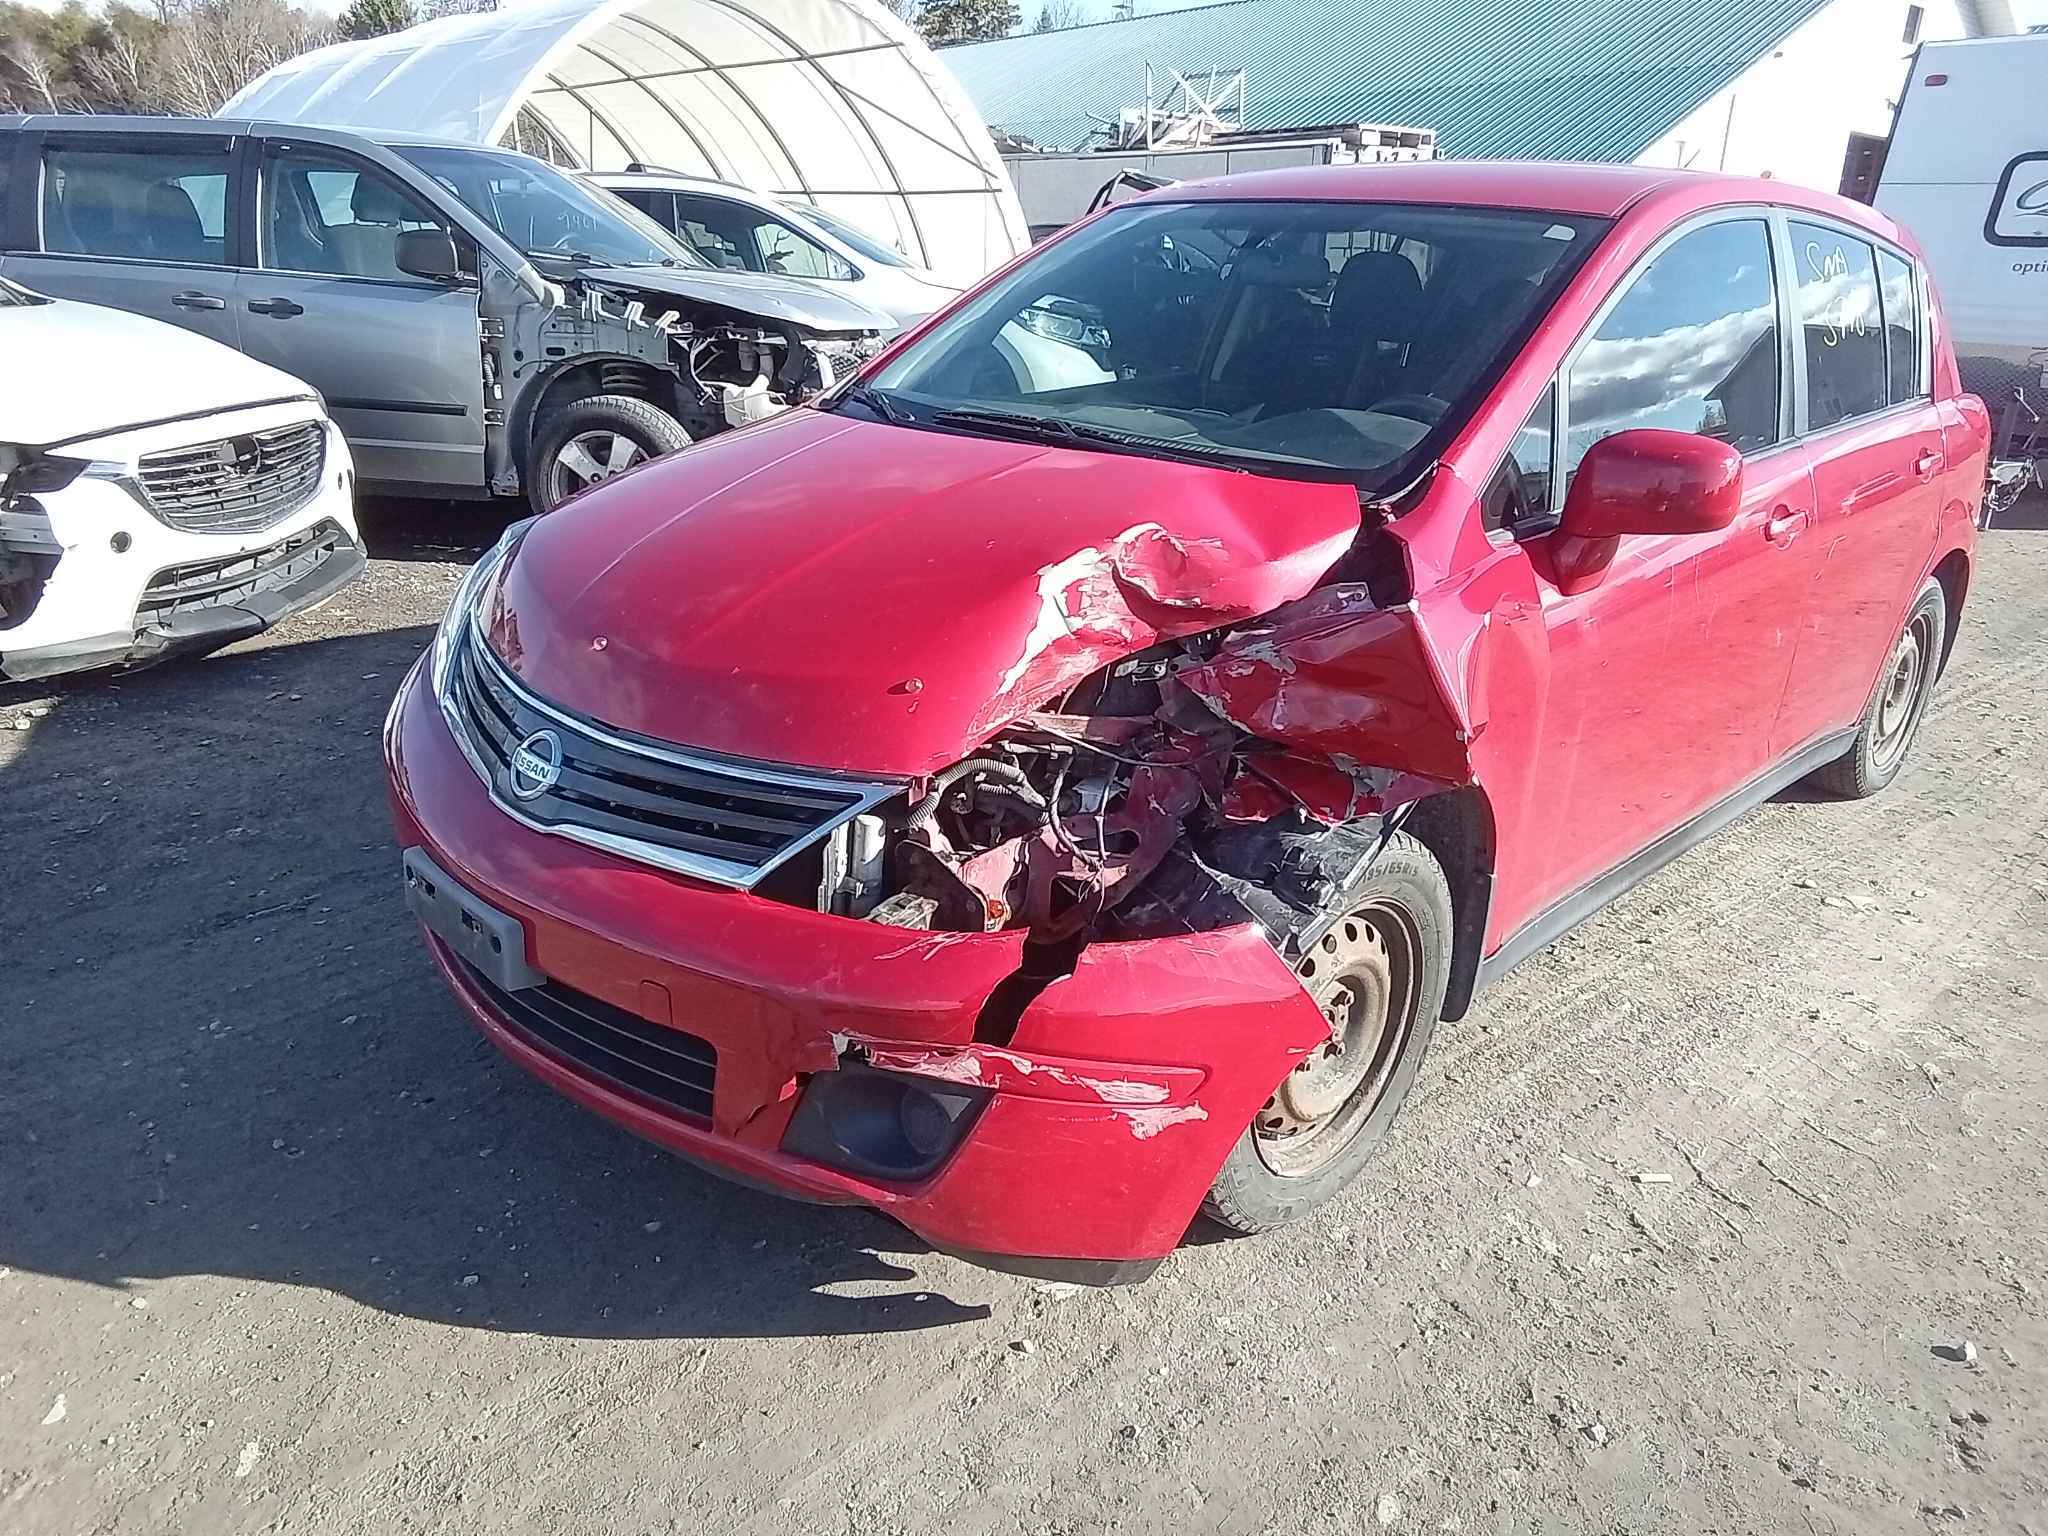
[479,322]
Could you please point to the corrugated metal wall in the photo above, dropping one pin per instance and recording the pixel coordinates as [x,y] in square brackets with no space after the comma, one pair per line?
[1555,79]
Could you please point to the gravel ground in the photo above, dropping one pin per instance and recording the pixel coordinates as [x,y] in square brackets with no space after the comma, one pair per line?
[1725,1215]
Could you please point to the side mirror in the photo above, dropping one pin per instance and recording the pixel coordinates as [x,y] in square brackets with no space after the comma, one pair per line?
[1648,480]
[428,253]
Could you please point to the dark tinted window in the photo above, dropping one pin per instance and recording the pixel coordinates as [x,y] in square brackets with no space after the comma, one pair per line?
[1901,327]
[1845,367]
[656,204]
[1692,346]
[166,204]
[1519,495]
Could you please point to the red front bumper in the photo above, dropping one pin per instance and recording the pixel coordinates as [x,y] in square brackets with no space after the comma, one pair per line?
[1113,1107]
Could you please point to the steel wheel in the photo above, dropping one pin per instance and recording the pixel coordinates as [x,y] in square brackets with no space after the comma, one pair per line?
[1903,692]
[589,457]
[1366,977]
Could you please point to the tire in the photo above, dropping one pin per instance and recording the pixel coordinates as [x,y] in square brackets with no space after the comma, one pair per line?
[595,427]
[1402,910]
[1892,718]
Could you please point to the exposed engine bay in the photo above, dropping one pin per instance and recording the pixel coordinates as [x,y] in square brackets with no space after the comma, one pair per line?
[729,368]
[1153,797]
[1130,809]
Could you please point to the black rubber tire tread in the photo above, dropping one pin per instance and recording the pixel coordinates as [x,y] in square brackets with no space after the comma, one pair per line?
[648,425]
[1854,775]
[1249,1198]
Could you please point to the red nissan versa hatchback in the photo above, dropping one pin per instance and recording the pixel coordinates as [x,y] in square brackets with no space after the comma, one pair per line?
[1057,785]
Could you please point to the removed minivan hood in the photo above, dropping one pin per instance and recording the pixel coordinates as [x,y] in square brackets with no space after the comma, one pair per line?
[885,605]
[763,295]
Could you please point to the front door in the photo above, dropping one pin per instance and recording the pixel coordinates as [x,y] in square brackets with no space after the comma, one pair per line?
[1878,456]
[399,358]
[1665,677]
[135,222]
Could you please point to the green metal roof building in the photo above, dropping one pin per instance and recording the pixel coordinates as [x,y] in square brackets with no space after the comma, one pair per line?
[1553,79]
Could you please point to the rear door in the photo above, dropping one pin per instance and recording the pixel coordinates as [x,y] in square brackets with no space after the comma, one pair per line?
[139,222]
[1866,410]
[399,358]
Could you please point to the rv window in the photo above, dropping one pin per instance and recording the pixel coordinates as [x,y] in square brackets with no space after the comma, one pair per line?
[1838,305]
[1901,328]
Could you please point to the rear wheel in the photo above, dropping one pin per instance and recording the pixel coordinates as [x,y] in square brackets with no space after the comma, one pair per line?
[1378,976]
[1892,719]
[588,441]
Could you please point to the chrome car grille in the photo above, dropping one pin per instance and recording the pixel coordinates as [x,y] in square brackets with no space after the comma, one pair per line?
[717,818]
[236,484]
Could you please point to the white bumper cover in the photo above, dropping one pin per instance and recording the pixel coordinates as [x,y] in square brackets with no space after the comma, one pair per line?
[127,587]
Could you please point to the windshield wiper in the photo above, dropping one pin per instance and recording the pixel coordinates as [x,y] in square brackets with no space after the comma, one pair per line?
[581,258]
[1016,423]
[879,403]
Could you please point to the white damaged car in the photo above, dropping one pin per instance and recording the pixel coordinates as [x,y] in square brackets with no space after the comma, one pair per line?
[160,494]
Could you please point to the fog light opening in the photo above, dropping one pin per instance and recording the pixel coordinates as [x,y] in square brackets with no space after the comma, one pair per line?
[886,1125]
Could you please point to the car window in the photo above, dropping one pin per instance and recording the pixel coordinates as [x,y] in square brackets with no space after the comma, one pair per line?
[325,213]
[853,235]
[557,219]
[1839,317]
[1901,328]
[729,234]
[1284,336]
[656,204]
[1518,496]
[1691,346]
[166,204]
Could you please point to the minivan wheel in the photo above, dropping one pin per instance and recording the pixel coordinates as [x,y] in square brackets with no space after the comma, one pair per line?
[586,442]
[1892,718]
[1378,976]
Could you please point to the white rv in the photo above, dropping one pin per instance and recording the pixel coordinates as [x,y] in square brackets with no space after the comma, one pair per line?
[1967,172]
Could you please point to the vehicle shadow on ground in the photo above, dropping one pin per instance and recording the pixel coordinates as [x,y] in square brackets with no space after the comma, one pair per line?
[226,1052]
[403,528]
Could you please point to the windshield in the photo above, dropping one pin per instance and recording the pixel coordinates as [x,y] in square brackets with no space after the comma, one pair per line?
[1309,339]
[848,234]
[550,215]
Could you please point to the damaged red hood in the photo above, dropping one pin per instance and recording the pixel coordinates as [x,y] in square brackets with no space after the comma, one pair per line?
[840,594]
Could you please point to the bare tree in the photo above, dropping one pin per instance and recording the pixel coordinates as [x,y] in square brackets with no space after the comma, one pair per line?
[120,74]
[215,47]
[37,91]
[1058,15]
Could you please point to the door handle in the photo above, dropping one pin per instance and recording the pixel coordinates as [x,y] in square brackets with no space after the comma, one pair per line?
[282,309]
[198,301]
[1783,525]
[1928,462]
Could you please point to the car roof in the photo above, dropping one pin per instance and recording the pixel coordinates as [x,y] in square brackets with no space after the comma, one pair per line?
[674,180]
[72,123]
[1597,191]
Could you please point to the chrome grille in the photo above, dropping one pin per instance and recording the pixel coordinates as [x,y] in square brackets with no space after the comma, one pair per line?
[718,818]
[236,484]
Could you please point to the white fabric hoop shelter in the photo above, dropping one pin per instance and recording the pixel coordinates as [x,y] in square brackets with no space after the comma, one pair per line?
[834,102]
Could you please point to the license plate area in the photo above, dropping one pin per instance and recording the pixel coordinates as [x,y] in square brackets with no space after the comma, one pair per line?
[492,941]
